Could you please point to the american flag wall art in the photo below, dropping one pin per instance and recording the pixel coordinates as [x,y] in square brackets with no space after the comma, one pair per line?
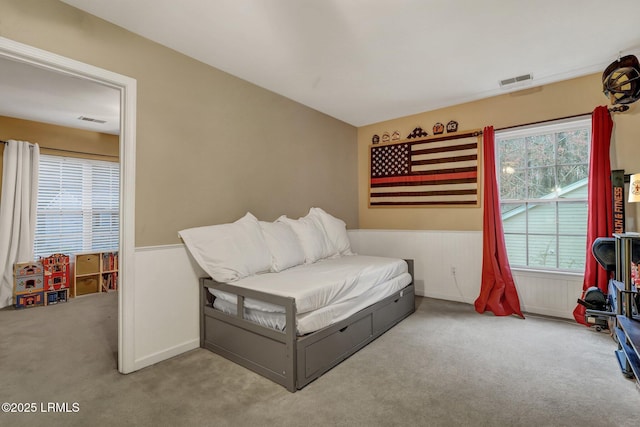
[436,171]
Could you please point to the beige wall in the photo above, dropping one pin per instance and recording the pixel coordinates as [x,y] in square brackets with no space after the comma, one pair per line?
[96,145]
[209,146]
[576,96]
[52,138]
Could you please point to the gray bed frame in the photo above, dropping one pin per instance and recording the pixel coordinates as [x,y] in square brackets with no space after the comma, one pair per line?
[285,358]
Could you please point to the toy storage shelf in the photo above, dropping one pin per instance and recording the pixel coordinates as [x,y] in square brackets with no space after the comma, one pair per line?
[95,272]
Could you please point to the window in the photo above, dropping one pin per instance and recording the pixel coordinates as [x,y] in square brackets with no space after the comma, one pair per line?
[543,175]
[78,205]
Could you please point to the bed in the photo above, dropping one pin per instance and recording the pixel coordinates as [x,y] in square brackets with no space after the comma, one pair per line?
[296,319]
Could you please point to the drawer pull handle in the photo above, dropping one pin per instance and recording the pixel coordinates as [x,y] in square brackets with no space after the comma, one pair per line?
[344,329]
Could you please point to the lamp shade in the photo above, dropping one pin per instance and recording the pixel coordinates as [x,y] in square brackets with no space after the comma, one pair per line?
[634,188]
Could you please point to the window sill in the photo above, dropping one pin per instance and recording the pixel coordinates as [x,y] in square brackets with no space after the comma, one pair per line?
[545,273]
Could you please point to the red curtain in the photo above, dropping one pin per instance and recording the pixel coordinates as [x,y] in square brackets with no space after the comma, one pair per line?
[600,211]
[497,291]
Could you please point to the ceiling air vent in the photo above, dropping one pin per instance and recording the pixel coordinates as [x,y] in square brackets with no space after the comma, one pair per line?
[91,119]
[516,81]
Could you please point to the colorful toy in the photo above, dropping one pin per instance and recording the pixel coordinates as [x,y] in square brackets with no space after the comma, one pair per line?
[28,283]
[54,297]
[56,272]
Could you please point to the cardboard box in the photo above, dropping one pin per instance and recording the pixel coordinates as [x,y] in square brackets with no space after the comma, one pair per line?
[87,264]
[87,285]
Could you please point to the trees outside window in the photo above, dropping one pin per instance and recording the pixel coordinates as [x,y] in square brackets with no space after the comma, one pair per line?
[543,176]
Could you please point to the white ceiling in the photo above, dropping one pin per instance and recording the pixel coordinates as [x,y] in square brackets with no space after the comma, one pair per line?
[32,93]
[364,61]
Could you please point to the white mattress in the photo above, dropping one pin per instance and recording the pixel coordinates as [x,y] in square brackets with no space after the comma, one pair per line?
[325,292]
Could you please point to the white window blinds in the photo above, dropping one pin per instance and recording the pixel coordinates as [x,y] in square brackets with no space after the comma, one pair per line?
[78,205]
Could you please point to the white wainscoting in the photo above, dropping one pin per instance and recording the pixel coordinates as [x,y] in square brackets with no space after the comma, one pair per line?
[551,294]
[166,304]
[167,294]
[448,265]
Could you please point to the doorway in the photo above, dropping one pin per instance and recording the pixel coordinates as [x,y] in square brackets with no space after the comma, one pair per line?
[126,87]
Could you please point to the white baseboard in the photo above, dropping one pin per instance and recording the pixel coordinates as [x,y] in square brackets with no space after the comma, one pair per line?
[168,353]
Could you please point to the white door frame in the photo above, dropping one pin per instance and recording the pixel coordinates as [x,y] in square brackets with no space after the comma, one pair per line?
[127,87]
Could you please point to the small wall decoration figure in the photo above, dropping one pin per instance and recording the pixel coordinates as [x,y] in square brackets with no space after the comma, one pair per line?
[417,133]
[395,136]
[375,139]
[452,126]
[438,128]
[386,137]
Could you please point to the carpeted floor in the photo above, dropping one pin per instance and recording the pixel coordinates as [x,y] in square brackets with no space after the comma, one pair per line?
[443,366]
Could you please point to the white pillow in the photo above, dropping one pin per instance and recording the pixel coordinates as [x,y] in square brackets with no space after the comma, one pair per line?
[285,248]
[336,231]
[228,252]
[311,236]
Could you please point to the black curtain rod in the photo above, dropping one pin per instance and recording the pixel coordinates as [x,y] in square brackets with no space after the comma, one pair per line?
[75,152]
[616,109]
[456,135]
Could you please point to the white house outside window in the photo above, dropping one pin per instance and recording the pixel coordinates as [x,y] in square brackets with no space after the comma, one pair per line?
[78,205]
[543,175]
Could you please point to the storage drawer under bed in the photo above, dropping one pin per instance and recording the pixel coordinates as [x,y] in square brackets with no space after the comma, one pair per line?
[321,351]
[337,345]
[243,344]
[294,361]
[393,311]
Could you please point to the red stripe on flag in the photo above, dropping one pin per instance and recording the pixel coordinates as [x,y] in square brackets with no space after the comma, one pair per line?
[413,178]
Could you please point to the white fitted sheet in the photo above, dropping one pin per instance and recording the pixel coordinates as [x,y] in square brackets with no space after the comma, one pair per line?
[325,292]
[322,317]
[326,282]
